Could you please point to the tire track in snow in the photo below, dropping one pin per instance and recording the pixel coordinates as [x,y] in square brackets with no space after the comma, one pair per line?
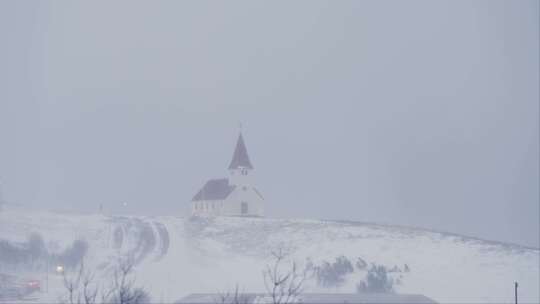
[138,239]
[164,240]
[145,240]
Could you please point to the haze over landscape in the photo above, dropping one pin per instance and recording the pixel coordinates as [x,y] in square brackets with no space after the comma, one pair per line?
[416,113]
[388,151]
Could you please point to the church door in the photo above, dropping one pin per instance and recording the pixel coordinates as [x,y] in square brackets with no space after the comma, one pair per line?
[244,208]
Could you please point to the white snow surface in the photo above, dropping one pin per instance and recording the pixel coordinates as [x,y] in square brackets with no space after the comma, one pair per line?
[177,256]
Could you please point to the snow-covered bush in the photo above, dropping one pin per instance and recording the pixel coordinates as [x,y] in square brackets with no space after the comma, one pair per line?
[377,280]
[333,274]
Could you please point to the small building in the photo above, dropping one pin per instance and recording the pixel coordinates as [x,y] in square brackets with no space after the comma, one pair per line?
[232,196]
[311,298]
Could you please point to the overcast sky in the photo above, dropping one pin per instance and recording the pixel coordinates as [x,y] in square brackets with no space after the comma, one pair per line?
[422,113]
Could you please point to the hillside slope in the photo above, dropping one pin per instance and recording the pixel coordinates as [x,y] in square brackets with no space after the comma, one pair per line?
[176,256]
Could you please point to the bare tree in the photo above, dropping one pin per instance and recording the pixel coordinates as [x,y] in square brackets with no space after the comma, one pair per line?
[81,288]
[72,284]
[284,285]
[124,290]
[232,298]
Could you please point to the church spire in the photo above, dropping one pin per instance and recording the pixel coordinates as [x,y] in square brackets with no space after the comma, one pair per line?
[240,157]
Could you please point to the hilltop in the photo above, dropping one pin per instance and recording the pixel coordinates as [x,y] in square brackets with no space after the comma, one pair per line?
[176,256]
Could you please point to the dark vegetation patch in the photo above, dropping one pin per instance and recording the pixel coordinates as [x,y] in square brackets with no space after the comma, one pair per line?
[332,274]
[33,254]
[378,278]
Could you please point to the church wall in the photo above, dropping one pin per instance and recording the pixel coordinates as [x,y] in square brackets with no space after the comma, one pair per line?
[234,202]
[232,206]
[239,177]
[207,207]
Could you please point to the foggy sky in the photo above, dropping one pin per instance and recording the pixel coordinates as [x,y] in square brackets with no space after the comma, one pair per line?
[422,113]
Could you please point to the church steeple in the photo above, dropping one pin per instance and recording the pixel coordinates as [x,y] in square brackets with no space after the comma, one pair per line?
[240,159]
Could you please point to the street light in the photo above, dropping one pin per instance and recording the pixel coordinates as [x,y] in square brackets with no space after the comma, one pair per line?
[47,271]
[59,269]
[515,290]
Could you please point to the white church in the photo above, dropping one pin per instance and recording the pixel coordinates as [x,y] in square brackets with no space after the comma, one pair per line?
[233,196]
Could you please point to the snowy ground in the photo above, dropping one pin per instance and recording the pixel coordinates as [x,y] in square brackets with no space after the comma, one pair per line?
[177,256]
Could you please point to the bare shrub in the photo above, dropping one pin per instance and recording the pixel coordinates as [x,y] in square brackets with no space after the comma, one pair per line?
[123,289]
[81,288]
[284,285]
[232,297]
[72,284]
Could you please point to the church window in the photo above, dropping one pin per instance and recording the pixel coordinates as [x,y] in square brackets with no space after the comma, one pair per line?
[244,208]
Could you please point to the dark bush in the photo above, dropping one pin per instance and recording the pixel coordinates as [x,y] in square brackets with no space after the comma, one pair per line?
[360,264]
[34,250]
[73,255]
[395,269]
[12,253]
[36,247]
[406,268]
[377,280]
[333,274]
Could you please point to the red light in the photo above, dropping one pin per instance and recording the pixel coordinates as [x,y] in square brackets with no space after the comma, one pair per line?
[33,284]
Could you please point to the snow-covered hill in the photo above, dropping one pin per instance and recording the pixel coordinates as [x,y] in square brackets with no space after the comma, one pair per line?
[176,256]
